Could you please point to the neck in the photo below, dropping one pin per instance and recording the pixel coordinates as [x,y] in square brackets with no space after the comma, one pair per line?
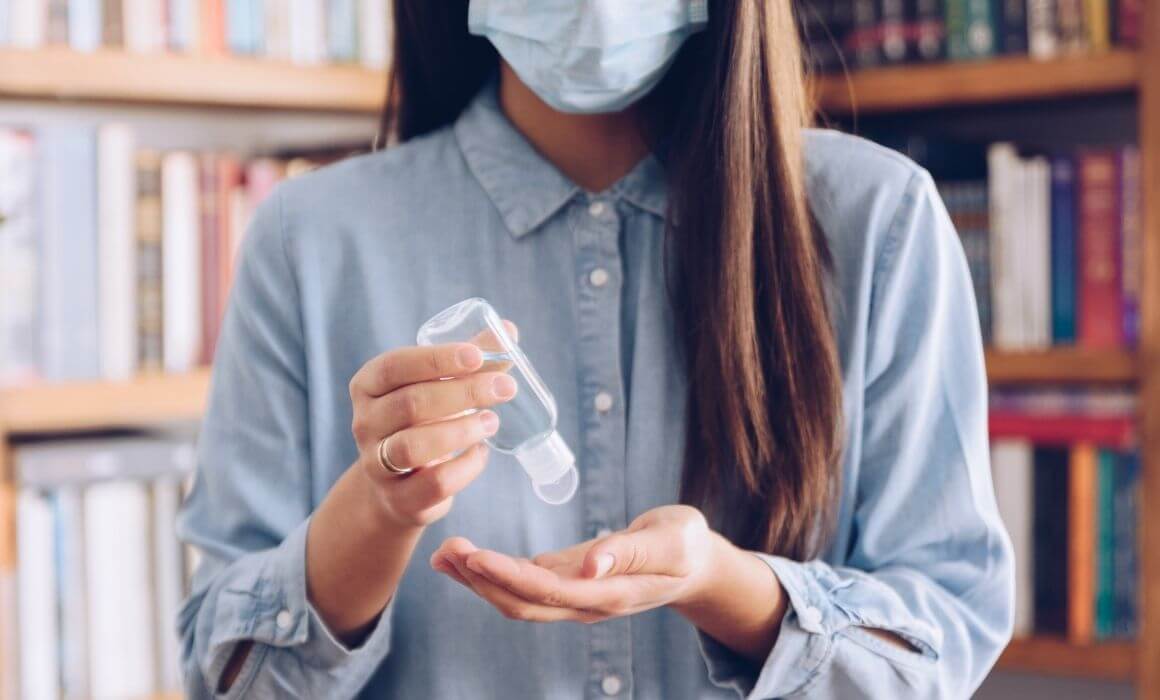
[592,150]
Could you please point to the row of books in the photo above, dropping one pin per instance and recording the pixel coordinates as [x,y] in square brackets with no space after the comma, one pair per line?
[842,34]
[1052,241]
[1067,486]
[302,31]
[116,259]
[100,573]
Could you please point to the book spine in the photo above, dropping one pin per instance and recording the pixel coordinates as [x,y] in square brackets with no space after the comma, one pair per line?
[169,578]
[19,260]
[342,30]
[57,29]
[1063,250]
[70,344]
[39,616]
[150,344]
[1042,29]
[1051,537]
[892,28]
[1130,249]
[308,32]
[373,22]
[240,33]
[863,42]
[1097,24]
[73,613]
[1100,313]
[112,23]
[117,267]
[1128,16]
[9,628]
[181,262]
[29,20]
[181,16]
[1039,259]
[212,26]
[1105,545]
[144,28]
[1012,465]
[1013,39]
[1069,17]
[974,36]
[1126,557]
[210,255]
[84,25]
[1082,524]
[1105,431]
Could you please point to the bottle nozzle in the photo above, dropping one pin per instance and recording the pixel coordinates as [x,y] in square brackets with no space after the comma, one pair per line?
[552,468]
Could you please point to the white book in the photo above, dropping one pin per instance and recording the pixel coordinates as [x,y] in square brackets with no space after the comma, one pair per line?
[1002,164]
[9,630]
[144,28]
[169,581]
[1013,470]
[1040,262]
[181,262]
[19,260]
[36,574]
[183,25]
[120,597]
[307,32]
[374,29]
[1041,29]
[84,25]
[277,29]
[69,339]
[74,631]
[116,205]
[29,23]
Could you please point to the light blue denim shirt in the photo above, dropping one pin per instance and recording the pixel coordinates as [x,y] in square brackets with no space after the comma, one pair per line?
[347,262]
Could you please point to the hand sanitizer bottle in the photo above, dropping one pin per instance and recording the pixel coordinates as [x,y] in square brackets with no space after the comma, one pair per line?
[527,423]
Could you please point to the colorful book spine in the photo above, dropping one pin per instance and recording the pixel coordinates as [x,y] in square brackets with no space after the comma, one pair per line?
[1051,530]
[1097,24]
[1100,289]
[1105,545]
[1063,250]
[863,44]
[150,338]
[212,26]
[1130,249]
[210,254]
[1105,431]
[1083,480]
[1126,550]
[891,31]
[1069,18]
[1129,14]
[1042,29]
[928,31]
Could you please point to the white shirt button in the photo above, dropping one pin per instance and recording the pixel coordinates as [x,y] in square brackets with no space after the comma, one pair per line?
[610,685]
[596,209]
[598,277]
[811,619]
[603,402]
[283,620]
[602,533]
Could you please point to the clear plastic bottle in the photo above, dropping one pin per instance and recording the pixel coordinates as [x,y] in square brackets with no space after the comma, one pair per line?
[527,423]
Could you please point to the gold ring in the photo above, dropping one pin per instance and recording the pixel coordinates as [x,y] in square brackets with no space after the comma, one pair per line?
[386,463]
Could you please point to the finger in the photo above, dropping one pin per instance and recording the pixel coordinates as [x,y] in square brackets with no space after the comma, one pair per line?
[575,553]
[422,445]
[537,585]
[513,607]
[430,401]
[430,486]
[448,569]
[644,551]
[396,368]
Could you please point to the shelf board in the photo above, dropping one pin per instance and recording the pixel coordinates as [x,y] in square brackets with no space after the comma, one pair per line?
[146,400]
[1061,365]
[1012,79]
[1047,655]
[173,79]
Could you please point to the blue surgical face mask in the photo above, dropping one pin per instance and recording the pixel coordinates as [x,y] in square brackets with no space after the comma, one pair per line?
[588,56]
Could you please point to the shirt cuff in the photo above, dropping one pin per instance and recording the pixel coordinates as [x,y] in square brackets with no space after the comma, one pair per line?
[803,644]
[267,603]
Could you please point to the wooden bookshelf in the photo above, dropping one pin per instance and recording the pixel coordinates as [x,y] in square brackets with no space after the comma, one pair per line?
[1060,366]
[940,85]
[1116,661]
[172,79]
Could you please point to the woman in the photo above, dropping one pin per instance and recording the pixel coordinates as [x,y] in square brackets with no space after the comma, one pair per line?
[770,326]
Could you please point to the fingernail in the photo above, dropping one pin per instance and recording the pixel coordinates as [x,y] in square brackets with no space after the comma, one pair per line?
[504,387]
[489,421]
[469,357]
[604,564]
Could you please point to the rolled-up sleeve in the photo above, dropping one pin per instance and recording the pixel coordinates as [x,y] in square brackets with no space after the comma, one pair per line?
[248,512]
[928,559]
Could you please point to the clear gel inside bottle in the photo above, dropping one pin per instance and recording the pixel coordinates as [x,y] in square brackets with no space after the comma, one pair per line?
[527,423]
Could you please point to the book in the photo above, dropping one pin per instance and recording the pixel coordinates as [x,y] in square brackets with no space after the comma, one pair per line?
[121,631]
[892,31]
[1100,290]
[1126,557]
[84,25]
[1077,402]
[373,27]
[181,263]
[112,25]
[1012,468]
[183,25]
[1051,530]
[1069,20]
[70,562]
[150,305]
[1105,431]
[342,30]
[277,29]
[1004,194]
[168,580]
[144,28]
[970,29]
[9,626]
[1129,14]
[1082,523]
[1097,24]
[244,26]
[19,304]
[1105,571]
[1011,16]
[1130,249]
[1042,29]
[1063,250]
[56,26]
[38,613]
[211,303]
[212,27]
[69,340]
[1037,256]
[28,20]
[307,33]
[116,188]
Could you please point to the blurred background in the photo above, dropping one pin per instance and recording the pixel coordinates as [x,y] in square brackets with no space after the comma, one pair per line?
[138,136]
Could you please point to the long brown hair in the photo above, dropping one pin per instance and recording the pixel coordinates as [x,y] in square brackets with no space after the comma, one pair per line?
[748,266]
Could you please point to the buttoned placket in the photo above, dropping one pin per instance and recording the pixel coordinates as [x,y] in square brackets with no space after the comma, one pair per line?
[595,224]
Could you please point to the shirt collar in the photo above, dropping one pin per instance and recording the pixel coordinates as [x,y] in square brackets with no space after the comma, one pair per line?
[524,187]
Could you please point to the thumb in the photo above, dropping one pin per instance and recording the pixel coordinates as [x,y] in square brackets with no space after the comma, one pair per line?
[627,552]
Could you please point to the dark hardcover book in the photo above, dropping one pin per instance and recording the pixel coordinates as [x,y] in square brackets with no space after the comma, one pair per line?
[892,30]
[927,32]
[1100,291]
[970,29]
[1105,544]
[1130,242]
[862,42]
[1011,25]
[1064,248]
[1127,20]
[1050,528]
[1126,549]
